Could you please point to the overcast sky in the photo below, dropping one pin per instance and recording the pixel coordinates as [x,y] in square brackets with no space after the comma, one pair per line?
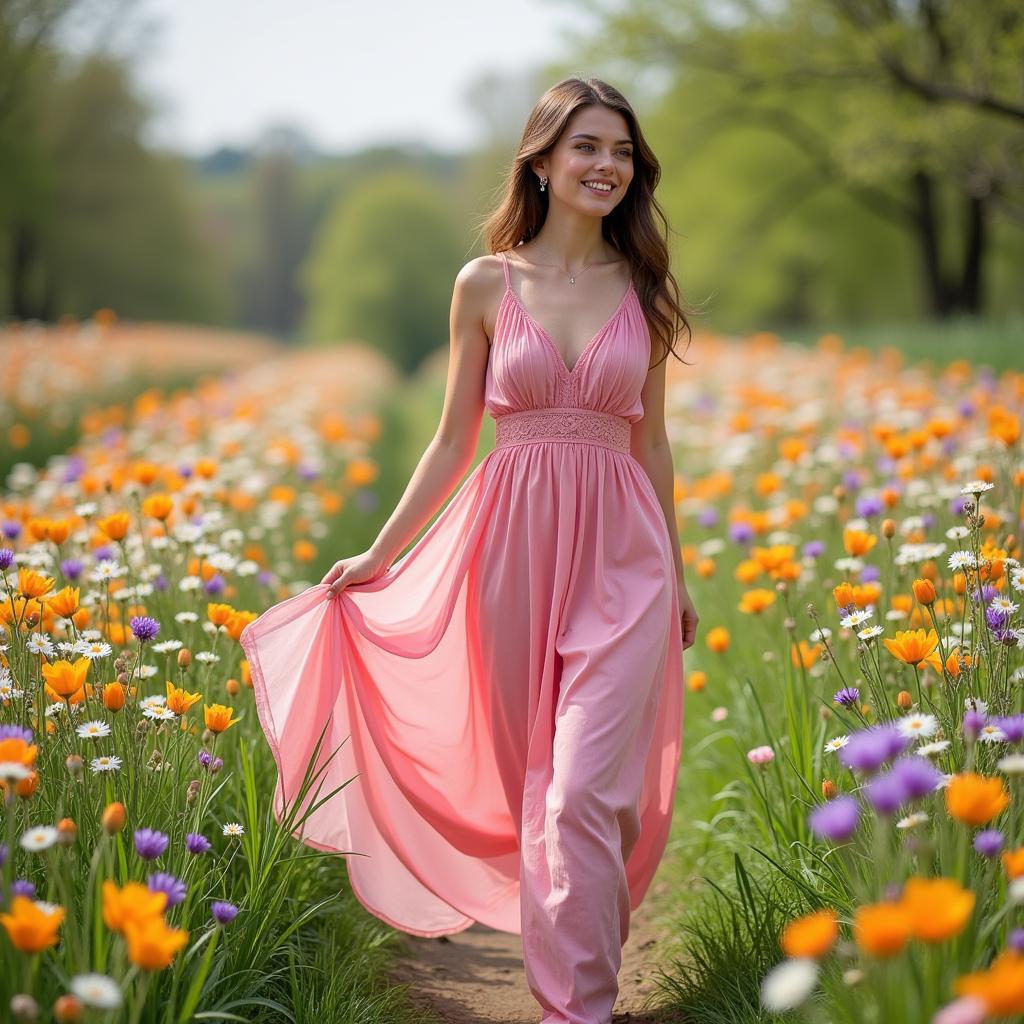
[350,72]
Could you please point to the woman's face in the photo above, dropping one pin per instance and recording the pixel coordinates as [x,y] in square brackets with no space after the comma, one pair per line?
[595,147]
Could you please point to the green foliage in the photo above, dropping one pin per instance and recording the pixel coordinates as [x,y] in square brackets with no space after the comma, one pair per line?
[382,269]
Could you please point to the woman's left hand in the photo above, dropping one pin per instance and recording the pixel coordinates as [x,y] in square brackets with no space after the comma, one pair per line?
[689,617]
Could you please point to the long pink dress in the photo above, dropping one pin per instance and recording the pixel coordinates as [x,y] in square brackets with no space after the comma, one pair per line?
[508,696]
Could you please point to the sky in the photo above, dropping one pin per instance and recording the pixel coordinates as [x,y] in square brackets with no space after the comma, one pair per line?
[349,72]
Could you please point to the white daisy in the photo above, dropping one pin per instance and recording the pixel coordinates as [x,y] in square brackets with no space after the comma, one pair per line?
[957,532]
[991,734]
[871,632]
[107,763]
[95,649]
[933,749]
[232,828]
[166,645]
[1012,764]
[159,713]
[912,820]
[42,837]
[92,730]
[836,744]
[960,560]
[184,617]
[97,990]
[913,726]
[40,643]
[789,984]
[973,704]
[1003,604]
[856,618]
[821,634]
[1016,891]
[153,700]
[207,657]
[976,487]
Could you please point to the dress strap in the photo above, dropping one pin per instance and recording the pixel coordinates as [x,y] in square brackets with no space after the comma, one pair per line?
[504,264]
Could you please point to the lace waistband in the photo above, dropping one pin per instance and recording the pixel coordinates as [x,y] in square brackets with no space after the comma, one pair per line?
[562,424]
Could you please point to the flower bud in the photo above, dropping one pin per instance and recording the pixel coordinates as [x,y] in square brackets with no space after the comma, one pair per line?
[122,678]
[24,1007]
[192,794]
[233,686]
[924,591]
[888,528]
[904,701]
[184,658]
[67,1009]
[67,832]
[113,818]
[113,696]
[26,787]
[828,789]
[75,767]
[781,586]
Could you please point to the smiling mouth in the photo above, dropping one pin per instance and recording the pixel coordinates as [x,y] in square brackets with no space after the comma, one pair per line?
[598,191]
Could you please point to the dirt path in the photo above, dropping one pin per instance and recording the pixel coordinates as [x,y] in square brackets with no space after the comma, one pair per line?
[476,976]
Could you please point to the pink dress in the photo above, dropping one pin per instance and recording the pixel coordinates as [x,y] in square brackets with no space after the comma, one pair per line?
[505,702]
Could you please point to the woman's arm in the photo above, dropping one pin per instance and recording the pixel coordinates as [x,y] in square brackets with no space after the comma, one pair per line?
[451,450]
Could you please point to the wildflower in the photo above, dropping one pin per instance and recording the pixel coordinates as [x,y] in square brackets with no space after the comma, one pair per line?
[223,912]
[756,601]
[37,839]
[150,843]
[113,817]
[991,733]
[881,929]
[1013,861]
[856,618]
[924,591]
[989,842]
[218,717]
[717,639]
[974,799]
[92,730]
[1012,764]
[232,828]
[870,748]
[97,990]
[847,697]
[789,984]
[173,888]
[912,820]
[196,843]
[871,632]
[973,723]
[1000,988]
[719,714]
[835,820]
[976,487]
[914,726]
[761,755]
[143,627]
[106,763]
[134,903]
[915,647]
[32,925]
[938,908]
[812,935]
[837,743]
[65,679]
[152,944]
[968,1010]
[1012,727]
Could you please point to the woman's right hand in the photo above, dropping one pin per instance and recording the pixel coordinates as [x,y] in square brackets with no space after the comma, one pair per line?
[357,569]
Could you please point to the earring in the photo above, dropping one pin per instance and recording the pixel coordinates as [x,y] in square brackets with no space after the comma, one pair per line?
[543,182]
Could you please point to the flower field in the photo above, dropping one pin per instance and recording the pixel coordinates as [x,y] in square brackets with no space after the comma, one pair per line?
[143,876]
[851,527]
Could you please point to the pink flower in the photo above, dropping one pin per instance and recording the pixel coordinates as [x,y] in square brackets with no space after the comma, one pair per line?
[969,1010]
[760,755]
[719,714]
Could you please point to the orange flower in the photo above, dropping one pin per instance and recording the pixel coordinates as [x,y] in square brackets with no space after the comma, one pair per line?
[113,696]
[755,601]
[812,935]
[158,506]
[31,584]
[696,681]
[217,717]
[915,647]
[805,655]
[858,542]
[718,639]
[178,700]
[881,929]
[1013,861]
[66,679]
[924,591]
[938,908]
[115,526]
[975,799]
[64,602]
[30,928]
[1000,988]
[15,749]
[152,944]
[134,903]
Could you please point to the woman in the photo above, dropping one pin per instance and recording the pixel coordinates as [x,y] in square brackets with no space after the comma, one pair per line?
[507,697]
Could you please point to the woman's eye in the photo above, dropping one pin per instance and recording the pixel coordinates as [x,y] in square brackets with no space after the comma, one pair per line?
[624,152]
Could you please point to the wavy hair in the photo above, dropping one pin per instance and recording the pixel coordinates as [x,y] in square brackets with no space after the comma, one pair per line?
[632,227]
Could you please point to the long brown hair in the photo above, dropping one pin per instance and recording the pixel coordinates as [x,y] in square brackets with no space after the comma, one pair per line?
[631,227]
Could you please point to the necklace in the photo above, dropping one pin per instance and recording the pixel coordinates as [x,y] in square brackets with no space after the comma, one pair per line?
[572,277]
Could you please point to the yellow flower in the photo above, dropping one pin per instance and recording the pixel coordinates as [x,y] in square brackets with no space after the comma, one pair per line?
[938,907]
[975,799]
[152,944]
[66,679]
[134,903]
[755,601]
[179,700]
[812,935]
[218,717]
[30,928]
[915,647]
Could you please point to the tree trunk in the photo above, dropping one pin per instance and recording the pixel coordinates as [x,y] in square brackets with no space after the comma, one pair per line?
[937,292]
[971,286]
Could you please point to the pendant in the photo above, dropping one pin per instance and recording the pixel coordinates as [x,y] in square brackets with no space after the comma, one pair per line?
[572,280]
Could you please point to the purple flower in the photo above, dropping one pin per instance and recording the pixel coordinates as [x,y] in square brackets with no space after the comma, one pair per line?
[6,555]
[72,568]
[974,722]
[144,627]
[870,573]
[265,578]
[223,912]
[23,887]
[103,551]
[996,618]
[15,732]
[173,887]
[1013,727]
[741,532]
[886,792]
[204,757]
[918,775]
[868,505]
[836,819]
[847,697]
[149,843]
[1015,940]
[214,585]
[708,517]
[989,842]
[197,843]
[814,549]
[852,479]
[869,749]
